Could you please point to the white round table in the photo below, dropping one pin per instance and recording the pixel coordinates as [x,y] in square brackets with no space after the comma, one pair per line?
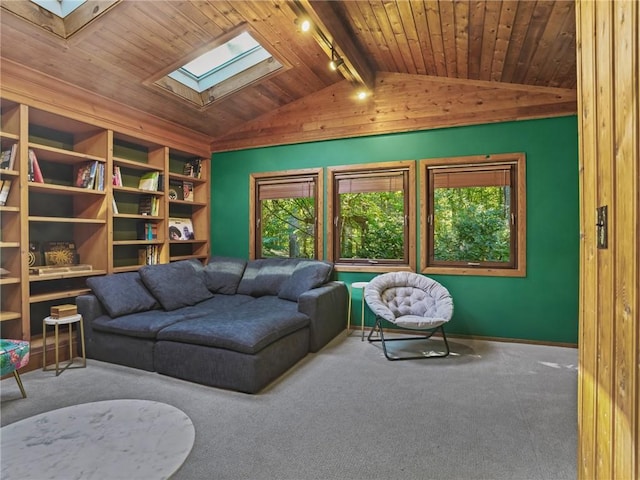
[56,322]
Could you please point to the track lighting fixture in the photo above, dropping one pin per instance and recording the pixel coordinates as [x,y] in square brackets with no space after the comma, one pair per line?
[304,24]
[336,61]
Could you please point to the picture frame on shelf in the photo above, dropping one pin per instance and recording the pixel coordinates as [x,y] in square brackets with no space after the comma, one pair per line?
[181,229]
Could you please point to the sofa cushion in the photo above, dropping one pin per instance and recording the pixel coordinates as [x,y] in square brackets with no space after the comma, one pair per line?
[307,275]
[140,324]
[175,285]
[223,274]
[265,276]
[247,329]
[122,293]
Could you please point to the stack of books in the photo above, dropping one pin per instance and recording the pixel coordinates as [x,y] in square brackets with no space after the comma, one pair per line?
[62,311]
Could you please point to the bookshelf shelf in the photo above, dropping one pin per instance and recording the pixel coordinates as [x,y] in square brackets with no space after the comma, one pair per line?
[9,244]
[138,191]
[8,173]
[137,216]
[62,189]
[59,295]
[62,276]
[96,221]
[133,164]
[61,155]
[7,315]
[9,280]
[9,136]
[136,242]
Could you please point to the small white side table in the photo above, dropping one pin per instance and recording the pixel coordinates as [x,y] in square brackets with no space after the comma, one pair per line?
[56,322]
[360,285]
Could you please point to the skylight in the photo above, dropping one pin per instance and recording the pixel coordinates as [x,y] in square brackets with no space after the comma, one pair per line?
[222,70]
[61,8]
[221,63]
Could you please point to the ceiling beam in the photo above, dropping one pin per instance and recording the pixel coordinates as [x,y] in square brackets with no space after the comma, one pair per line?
[330,32]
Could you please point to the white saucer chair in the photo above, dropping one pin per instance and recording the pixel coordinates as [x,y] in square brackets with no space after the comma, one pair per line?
[409,301]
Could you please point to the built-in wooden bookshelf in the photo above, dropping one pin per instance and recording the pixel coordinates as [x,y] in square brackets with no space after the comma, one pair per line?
[109,226]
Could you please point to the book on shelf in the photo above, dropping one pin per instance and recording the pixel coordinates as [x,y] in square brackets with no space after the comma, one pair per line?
[100,181]
[34,172]
[180,229]
[150,255]
[86,175]
[5,186]
[149,181]
[114,206]
[117,176]
[149,205]
[9,157]
[192,168]
[187,191]
[147,231]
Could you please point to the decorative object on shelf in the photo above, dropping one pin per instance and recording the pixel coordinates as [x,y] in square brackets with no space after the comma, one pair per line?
[60,253]
[60,269]
[187,191]
[4,272]
[180,229]
[86,175]
[175,190]
[8,157]
[149,181]
[34,172]
[5,186]
[35,255]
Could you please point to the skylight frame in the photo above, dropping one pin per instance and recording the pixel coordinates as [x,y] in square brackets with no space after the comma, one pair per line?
[66,27]
[272,64]
[60,8]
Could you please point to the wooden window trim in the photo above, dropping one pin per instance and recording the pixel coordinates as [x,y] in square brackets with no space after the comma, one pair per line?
[254,180]
[409,166]
[520,268]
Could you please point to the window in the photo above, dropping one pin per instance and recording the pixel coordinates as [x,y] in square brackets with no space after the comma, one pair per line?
[286,214]
[372,208]
[229,64]
[473,215]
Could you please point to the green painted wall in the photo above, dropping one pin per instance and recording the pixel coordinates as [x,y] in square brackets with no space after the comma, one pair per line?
[542,306]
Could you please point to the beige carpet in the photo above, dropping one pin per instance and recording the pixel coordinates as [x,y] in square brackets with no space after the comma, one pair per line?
[489,411]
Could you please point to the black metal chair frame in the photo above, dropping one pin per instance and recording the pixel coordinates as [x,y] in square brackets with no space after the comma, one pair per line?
[428,334]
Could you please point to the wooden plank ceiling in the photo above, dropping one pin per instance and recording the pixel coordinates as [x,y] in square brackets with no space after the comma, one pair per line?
[389,45]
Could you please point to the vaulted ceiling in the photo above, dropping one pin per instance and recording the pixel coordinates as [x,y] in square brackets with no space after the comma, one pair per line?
[466,52]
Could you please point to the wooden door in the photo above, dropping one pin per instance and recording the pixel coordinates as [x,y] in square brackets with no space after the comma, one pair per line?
[609,112]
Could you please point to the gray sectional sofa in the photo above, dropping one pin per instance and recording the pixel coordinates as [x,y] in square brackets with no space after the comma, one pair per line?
[231,323]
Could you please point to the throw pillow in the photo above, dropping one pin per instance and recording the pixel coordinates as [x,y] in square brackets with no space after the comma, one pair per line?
[306,276]
[223,274]
[122,293]
[175,285]
[265,276]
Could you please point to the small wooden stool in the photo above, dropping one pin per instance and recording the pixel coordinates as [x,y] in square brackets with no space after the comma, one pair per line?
[56,322]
